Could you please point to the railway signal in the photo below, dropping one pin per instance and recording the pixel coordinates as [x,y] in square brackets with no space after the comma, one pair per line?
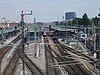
[23,26]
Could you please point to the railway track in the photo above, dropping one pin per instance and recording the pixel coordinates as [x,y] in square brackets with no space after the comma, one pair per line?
[68,68]
[30,65]
[11,66]
[76,52]
[3,51]
[89,47]
[17,39]
[9,69]
[75,69]
[49,59]
[6,48]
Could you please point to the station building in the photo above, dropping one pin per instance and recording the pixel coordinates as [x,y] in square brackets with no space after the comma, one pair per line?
[34,33]
[8,30]
[62,32]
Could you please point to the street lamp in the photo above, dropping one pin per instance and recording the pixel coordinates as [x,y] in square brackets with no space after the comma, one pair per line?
[98,18]
[22,24]
[66,41]
[77,32]
[85,39]
[99,22]
[94,35]
[3,19]
[99,39]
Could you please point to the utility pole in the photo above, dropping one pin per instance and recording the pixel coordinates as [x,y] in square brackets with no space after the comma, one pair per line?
[99,39]
[62,18]
[58,19]
[99,18]
[71,24]
[99,53]
[66,34]
[23,26]
[94,49]
[2,35]
[34,20]
[35,40]
[88,31]
[94,44]
[3,19]
[85,39]
[77,32]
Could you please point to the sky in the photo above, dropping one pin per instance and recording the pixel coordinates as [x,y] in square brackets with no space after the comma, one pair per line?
[47,10]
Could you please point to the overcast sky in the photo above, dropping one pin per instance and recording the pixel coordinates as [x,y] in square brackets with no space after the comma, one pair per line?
[47,10]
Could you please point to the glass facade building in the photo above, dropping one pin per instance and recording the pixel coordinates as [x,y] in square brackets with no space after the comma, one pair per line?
[70,15]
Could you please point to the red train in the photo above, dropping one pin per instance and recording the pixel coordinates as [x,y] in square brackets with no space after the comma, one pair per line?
[48,33]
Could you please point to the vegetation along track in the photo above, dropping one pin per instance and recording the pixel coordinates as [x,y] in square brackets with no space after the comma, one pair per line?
[32,66]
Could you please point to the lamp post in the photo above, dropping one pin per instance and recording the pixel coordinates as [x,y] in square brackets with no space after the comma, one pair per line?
[2,35]
[22,24]
[66,41]
[71,24]
[99,18]
[99,40]
[94,48]
[77,32]
[3,19]
[85,39]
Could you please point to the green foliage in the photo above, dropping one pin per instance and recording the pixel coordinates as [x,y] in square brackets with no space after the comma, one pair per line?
[99,14]
[40,23]
[22,23]
[49,26]
[74,22]
[63,23]
[56,23]
[95,20]
[85,20]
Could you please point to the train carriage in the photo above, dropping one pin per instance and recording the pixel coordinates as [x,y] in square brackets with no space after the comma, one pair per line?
[48,33]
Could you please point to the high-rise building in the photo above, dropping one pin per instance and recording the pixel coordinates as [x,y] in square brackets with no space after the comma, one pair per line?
[70,15]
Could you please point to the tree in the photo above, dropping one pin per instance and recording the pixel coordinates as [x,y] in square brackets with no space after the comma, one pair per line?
[74,22]
[99,19]
[61,23]
[95,20]
[85,20]
[21,23]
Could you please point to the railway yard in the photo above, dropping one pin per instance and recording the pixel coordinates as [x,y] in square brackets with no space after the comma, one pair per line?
[51,56]
[50,37]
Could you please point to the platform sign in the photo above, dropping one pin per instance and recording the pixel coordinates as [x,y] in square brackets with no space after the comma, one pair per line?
[37,50]
[95,55]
